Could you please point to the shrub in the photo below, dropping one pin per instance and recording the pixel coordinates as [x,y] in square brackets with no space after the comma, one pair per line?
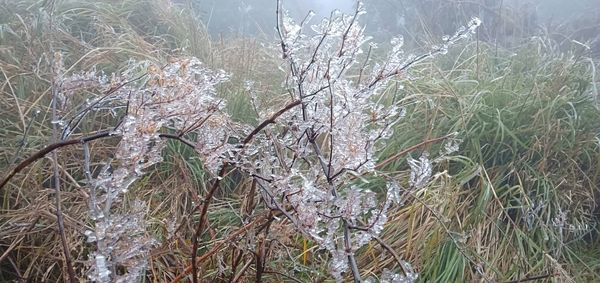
[307,158]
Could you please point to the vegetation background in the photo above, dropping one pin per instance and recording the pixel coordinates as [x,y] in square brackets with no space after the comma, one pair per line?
[517,202]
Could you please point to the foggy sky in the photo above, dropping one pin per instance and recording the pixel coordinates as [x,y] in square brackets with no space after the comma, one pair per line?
[324,7]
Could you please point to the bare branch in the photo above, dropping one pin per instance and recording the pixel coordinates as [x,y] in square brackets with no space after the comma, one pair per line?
[50,148]
[56,89]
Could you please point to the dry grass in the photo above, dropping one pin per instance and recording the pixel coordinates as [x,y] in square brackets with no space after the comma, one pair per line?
[527,123]
[529,126]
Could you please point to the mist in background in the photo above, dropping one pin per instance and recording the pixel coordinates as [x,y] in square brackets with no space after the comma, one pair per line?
[257,17]
[422,22]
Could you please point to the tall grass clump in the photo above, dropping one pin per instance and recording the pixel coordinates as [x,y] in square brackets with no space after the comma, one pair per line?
[519,199]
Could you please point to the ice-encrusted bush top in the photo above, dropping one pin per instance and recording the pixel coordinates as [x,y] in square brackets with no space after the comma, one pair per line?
[308,157]
[180,96]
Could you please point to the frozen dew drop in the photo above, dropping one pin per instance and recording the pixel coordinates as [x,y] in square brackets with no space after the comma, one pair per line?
[58,122]
[91,236]
[474,24]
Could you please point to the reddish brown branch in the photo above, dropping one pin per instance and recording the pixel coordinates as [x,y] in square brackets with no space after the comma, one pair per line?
[202,220]
[42,152]
[215,249]
[270,120]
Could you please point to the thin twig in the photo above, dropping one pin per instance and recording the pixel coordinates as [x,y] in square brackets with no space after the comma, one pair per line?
[77,118]
[56,173]
[242,271]
[236,258]
[50,148]
[203,212]
[270,120]
[393,252]
[216,248]
[345,35]
[532,278]
[259,258]
[351,258]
